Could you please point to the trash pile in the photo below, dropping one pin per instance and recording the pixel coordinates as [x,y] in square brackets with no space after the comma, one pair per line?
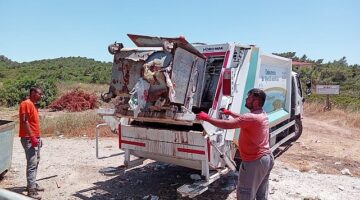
[162,78]
[75,101]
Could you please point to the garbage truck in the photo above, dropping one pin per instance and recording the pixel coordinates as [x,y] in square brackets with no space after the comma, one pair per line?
[158,87]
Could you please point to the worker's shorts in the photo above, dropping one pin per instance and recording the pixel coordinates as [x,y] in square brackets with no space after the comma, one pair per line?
[253,179]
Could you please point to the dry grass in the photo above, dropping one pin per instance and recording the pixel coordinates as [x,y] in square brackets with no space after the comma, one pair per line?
[70,124]
[11,113]
[65,87]
[336,116]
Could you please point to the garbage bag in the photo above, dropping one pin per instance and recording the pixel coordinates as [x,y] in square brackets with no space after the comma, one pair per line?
[139,95]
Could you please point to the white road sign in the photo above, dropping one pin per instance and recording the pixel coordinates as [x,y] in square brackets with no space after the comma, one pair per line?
[327,89]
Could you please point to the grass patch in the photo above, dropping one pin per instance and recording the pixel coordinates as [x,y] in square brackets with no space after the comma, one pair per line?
[337,116]
[65,87]
[70,124]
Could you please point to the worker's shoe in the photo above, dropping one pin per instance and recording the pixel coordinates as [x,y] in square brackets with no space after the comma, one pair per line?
[39,188]
[33,194]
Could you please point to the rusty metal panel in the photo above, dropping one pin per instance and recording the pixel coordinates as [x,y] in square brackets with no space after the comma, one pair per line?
[125,74]
[151,41]
[187,74]
[134,55]
[126,70]
[199,82]
[146,41]
[181,71]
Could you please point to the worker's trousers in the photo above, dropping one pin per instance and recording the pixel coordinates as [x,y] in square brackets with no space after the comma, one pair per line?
[253,182]
[32,158]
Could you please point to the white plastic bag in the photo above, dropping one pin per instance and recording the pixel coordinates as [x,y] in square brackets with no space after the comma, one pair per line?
[139,95]
[170,85]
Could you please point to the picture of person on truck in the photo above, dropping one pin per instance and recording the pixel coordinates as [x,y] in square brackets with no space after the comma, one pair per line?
[257,159]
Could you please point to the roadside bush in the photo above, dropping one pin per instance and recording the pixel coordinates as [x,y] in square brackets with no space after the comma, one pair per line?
[14,91]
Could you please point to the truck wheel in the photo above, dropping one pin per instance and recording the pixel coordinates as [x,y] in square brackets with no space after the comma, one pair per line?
[297,128]
[237,160]
[3,174]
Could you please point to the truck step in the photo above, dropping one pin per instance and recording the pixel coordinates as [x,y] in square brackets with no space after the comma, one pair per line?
[197,188]
[192,190]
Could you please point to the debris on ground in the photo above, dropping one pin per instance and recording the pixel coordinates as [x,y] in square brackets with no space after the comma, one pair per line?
[341,187]
[151,197]
[195,177]
[346,171]
[75,101]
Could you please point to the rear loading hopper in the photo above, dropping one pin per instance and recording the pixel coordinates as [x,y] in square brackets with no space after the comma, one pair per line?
[161,79]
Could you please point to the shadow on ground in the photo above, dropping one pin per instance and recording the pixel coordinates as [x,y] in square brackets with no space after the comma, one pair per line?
[155,180]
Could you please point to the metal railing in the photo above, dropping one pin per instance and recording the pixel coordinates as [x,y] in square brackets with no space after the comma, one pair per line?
[97,138]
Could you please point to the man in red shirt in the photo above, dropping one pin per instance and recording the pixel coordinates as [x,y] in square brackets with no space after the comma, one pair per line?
[257,159]
[30,132]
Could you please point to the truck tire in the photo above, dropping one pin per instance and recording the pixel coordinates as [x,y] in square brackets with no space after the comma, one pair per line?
[297,128]
[237,160]
[2,175]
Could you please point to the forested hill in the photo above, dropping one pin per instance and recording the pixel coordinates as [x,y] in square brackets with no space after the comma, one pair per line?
[78,69]
[336,72]
[16,78]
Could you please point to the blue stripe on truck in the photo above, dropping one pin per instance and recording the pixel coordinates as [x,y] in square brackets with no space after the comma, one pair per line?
[250,81]
[276,116]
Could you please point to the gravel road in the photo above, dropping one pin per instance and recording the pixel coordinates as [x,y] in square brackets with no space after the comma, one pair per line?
[69,170]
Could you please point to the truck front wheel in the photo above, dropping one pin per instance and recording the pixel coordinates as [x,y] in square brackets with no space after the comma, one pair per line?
[2,175]
[297,128]
[237,160]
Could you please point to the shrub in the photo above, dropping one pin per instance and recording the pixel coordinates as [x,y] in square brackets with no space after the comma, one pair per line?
[14,91]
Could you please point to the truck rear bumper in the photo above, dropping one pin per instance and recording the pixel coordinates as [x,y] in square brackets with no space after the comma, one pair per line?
[184,148]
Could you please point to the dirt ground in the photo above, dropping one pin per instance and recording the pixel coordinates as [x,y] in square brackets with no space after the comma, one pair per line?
[325,148]
[308,169]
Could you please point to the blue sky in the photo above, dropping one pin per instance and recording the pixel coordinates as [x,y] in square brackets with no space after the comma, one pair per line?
[42,29]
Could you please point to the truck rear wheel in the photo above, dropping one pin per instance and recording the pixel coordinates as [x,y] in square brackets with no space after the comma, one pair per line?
[297,128]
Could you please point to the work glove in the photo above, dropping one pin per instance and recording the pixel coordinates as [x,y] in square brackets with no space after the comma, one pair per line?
[225,111]
[202,116]
[34,141]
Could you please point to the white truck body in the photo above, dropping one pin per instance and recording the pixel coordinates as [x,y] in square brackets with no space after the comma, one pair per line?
[199,78]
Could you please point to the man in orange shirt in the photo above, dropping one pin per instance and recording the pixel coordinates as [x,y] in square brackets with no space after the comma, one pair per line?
[30,133]
[254,147]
